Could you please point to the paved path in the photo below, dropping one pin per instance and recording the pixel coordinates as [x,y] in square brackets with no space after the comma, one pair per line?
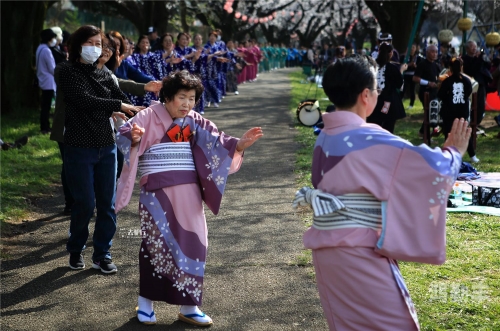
[251,282]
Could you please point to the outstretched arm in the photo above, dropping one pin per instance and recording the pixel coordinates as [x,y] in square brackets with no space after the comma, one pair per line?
[249,138]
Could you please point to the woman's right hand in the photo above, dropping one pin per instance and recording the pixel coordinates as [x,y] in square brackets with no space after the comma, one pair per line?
[131,109]
[459,136]
[136,133]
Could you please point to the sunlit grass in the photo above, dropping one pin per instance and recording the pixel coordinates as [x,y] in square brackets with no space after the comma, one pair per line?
[463,293]
[27,172]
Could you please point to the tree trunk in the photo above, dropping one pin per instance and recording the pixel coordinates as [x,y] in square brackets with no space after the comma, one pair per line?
[396,18]
[183,13]
[18,69]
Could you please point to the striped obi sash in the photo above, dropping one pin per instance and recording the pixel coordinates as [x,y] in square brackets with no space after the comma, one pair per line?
[166,157]
[354,210]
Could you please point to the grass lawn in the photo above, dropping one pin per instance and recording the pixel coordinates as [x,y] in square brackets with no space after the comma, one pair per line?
[28,173]
[463,293]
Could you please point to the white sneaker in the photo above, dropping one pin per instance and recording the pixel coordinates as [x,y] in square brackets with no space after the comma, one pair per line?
[474,159]
[208,105]
[236,92]
[216,105]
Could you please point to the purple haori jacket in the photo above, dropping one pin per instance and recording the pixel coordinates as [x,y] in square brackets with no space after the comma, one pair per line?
[207,142]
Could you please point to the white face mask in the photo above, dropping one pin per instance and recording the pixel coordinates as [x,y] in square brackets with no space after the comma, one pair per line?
[219,38]
[52,42]
[90,54]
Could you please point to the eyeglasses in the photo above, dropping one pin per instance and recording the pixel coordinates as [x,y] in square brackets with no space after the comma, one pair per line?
[109,48]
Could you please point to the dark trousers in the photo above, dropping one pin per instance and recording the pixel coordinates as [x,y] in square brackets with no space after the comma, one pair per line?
[46,102]
[432,96]
[232,82]
[410,87]
[68,198]
[91,177]
[481,103]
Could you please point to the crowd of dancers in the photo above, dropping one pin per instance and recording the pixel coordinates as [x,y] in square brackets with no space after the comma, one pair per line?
[221,66]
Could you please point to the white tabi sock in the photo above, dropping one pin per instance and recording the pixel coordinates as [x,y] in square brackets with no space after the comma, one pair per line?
[189,310]
[145,305]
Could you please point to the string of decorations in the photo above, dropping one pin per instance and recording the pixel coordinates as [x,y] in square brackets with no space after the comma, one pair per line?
[228,7]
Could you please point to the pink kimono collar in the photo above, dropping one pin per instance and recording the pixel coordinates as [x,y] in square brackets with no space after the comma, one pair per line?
[162,115]
[340,118]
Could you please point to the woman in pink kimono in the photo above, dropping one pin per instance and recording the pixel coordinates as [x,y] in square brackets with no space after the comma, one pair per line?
[376,199]
[183,160]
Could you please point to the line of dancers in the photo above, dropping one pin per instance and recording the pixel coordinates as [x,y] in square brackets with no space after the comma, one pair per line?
[220,66]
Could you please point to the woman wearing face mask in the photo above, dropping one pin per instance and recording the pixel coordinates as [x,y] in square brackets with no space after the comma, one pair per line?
[91,98]
[45,65]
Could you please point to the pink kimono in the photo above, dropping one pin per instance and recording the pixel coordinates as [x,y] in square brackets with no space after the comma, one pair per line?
[182,163]
[359,282]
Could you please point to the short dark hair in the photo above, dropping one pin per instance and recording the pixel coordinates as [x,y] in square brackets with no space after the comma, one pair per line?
[179,37]
[347,78]
[180,80]
[165,35]
[137,50]
[79,37]
[117,35]
[112,63]
[47,35]
[384,52]
[456,66]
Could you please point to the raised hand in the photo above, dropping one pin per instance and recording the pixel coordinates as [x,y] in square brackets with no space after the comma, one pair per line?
[249,138]
[136,133]
[459,136]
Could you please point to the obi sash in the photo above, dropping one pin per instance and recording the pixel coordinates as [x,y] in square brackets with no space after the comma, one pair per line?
[166,157]
[354,210]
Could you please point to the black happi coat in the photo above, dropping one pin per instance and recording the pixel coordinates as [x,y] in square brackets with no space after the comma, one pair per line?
[455,97]
[390,80]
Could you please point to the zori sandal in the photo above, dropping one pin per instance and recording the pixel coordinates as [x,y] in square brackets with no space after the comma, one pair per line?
[196,319]
[145,318]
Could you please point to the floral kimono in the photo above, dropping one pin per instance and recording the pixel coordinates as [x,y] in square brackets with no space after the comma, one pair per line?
[182,162]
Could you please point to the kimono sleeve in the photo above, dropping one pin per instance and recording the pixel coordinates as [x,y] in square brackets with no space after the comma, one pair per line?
[215,157]
[414,216]
[131,154]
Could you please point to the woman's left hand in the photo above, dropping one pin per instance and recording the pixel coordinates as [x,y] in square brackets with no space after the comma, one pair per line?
[116,115]
[249,138]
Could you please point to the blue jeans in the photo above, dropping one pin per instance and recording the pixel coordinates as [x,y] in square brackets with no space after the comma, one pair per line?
[91,179]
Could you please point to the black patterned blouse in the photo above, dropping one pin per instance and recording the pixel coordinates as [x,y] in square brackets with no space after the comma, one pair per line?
[91,97]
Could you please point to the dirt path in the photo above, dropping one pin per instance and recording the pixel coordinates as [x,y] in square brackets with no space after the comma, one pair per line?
[251,282]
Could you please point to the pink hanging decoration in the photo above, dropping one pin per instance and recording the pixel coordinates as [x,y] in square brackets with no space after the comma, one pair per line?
[261,20]
[265,19]
[270,17]
[237,14]
[230,10]
[275,14]
[292,13]
[244,17]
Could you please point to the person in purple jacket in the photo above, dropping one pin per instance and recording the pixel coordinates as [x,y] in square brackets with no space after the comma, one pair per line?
[45,65]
